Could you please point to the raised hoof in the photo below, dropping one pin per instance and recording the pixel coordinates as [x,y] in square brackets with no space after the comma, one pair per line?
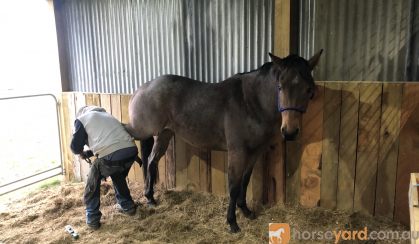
[234,228]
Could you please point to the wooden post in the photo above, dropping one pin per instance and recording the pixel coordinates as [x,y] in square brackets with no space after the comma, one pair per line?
[283,46]
[67,121]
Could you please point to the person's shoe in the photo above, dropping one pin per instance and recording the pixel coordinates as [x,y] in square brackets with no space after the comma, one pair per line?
[130,212]
[94,225]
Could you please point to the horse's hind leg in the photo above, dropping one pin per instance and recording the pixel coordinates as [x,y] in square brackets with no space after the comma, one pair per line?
[146,147]
[159,148]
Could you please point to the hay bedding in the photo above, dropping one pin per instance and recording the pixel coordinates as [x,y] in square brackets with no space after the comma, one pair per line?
[180,217]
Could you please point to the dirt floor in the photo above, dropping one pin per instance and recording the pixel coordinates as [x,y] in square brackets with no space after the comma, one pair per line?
[180,217]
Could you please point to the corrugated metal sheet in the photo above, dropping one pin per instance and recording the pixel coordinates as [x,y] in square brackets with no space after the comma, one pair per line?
[117,45]
[363,39]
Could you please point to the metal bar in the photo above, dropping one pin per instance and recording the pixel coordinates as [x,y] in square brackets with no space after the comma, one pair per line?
[20,187]
[28,177]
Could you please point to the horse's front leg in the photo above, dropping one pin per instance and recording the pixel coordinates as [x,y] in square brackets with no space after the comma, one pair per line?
[241,201]
[236,165]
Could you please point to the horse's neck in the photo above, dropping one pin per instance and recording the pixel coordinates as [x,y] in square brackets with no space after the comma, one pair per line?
[261,92]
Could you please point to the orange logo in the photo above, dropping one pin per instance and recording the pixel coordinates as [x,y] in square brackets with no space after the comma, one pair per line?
[279,233]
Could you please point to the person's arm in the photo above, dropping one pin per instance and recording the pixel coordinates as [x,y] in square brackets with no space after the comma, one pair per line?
[79,138]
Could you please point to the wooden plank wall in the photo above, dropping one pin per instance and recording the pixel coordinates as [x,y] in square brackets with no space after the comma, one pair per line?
[358,146]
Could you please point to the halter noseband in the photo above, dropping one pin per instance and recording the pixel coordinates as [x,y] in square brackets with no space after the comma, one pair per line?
[300,109]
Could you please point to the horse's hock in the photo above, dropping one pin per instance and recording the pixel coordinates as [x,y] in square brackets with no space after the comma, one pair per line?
[356,150]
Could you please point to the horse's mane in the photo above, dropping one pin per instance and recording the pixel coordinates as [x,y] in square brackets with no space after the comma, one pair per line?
[293,60]
[263,69]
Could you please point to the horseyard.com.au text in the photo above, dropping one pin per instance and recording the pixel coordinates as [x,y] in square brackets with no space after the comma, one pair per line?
[282,233]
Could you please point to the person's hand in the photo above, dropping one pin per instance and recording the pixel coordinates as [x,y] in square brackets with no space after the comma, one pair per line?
[86,154]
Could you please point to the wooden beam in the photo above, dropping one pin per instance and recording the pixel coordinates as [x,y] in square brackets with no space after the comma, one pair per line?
[282,28]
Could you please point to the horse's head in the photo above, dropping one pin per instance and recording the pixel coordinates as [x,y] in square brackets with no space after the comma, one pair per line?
[295,88]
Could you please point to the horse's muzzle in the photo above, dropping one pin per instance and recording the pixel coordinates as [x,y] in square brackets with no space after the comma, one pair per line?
[290,135]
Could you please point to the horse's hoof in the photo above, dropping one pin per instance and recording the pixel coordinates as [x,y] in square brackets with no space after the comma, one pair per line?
[251,215]
[151,203]
[234,228]
[248,214]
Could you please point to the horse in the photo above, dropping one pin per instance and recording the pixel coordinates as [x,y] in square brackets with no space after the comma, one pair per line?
[237,115]
[277,234]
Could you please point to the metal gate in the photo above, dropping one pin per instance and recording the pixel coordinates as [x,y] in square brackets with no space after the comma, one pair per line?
[27,122]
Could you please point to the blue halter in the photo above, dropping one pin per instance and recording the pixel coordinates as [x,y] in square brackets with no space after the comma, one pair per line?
[283,109]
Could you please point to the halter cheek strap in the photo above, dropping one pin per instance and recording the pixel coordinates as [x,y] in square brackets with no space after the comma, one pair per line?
[300,109]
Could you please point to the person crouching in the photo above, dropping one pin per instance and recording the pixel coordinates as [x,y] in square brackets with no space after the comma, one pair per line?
[115,151]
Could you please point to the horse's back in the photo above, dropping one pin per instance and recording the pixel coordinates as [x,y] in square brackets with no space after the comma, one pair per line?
[191,108]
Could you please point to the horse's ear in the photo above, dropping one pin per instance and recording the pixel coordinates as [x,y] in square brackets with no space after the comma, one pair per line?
[275,59]
[315,59]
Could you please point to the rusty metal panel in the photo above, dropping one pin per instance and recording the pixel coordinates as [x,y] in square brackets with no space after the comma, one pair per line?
[363,39]
[114,46]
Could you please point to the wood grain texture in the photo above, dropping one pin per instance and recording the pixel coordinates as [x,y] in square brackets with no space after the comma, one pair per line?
[311,139]
[181,164]
[92,99]
[293,151]
[408,149]
[170,165]
[67,121]
[135,172]
[282,25]
[84,168]
[218,172]
[204,170]
[347,145]
[388,150]
[368,144]
[105,102]
[275,169]
[116,106]
[330,157]
[255,190]
[192,159]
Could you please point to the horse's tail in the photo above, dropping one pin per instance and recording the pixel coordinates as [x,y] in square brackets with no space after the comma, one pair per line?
[146,148]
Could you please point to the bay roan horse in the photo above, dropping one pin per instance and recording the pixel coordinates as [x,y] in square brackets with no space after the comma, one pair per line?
[238,115]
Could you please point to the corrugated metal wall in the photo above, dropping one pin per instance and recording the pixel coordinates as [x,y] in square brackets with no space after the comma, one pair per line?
[117,45]
[363,39]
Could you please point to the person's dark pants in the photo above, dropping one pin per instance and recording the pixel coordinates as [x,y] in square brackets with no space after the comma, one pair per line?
[122,195]
[100,169]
